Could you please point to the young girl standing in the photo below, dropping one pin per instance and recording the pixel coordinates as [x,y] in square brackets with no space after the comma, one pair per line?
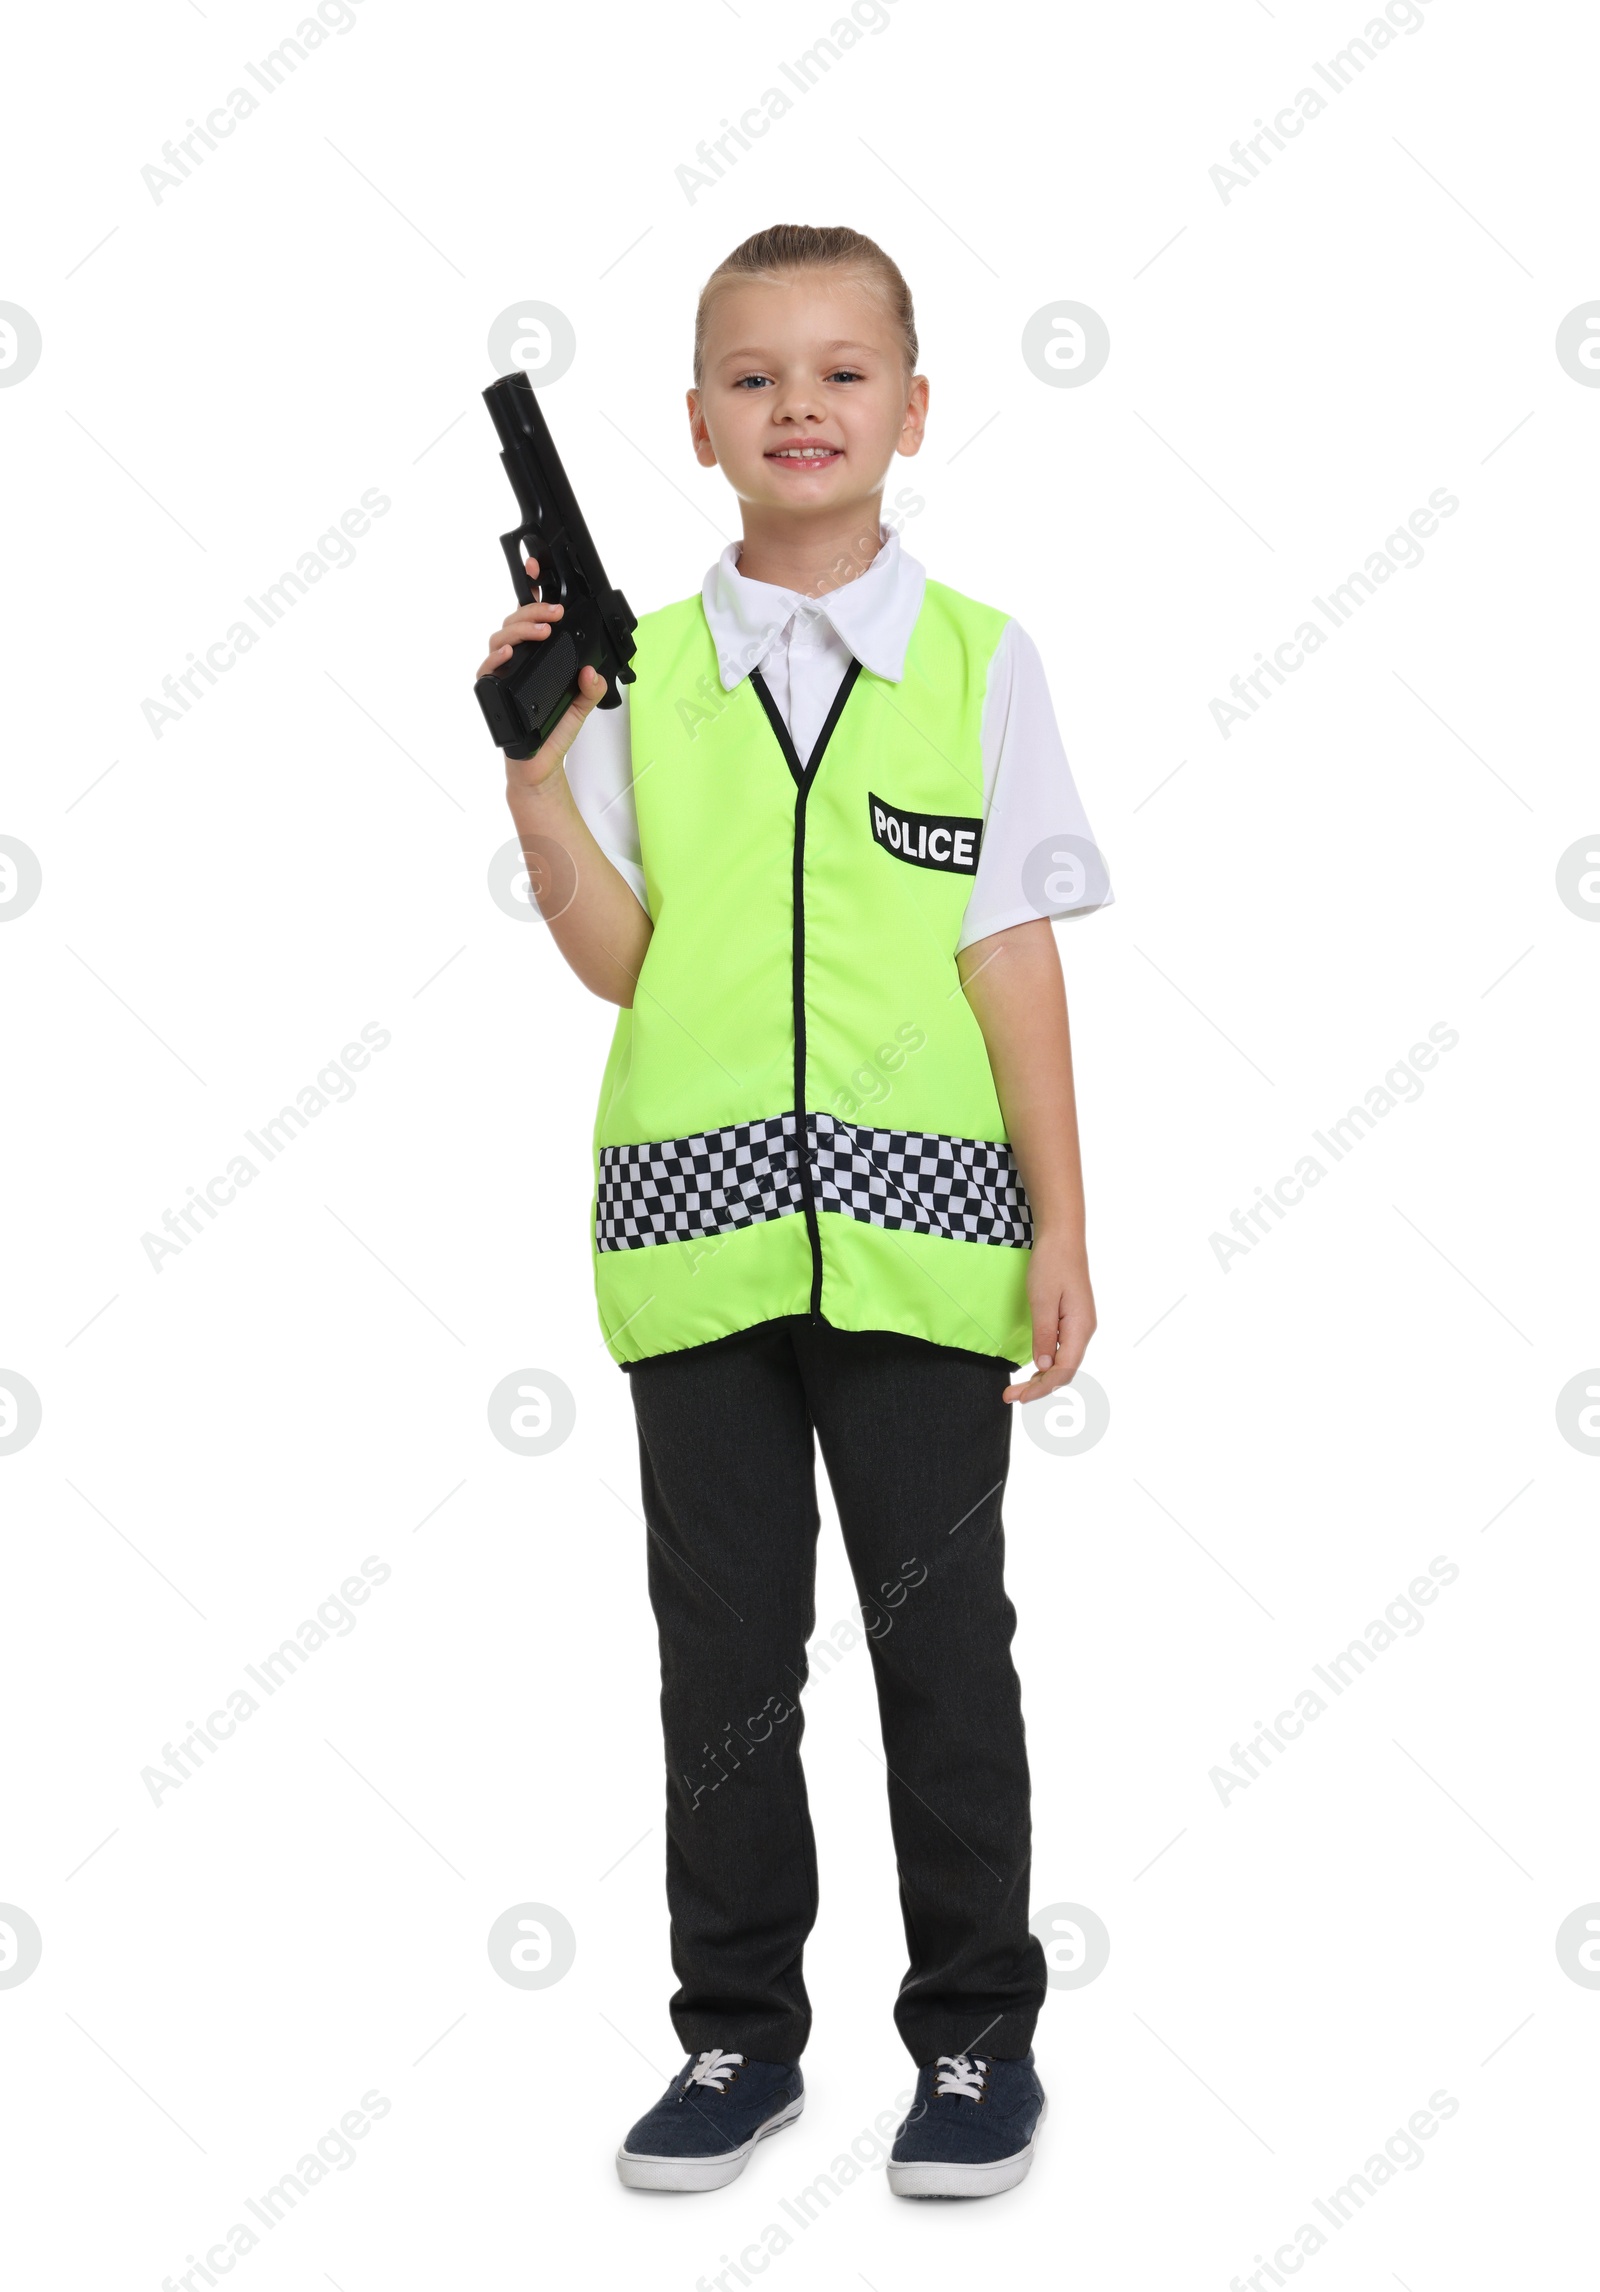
[814,860]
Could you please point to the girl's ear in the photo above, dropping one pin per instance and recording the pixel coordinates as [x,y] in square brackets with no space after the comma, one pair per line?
[916,416]
[699,437]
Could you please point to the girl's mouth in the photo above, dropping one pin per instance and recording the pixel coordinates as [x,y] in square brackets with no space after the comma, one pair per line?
[815,457]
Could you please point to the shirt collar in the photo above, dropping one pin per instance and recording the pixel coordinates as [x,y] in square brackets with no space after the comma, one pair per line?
[873,615]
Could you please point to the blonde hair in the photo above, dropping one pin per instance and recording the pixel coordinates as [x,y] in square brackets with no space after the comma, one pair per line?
[787,248]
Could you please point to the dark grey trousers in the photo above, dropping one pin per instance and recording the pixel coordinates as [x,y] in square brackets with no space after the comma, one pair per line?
[916,1441]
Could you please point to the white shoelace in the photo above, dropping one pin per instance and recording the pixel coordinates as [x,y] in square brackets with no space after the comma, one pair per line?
[961,2073]
[713,2069]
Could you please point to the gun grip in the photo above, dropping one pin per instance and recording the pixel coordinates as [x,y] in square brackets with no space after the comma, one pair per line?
[527,695]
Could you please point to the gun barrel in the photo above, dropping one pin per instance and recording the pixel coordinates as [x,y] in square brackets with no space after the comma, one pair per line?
[531,461]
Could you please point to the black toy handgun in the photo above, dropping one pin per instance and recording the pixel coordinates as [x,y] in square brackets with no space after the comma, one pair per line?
[527,696]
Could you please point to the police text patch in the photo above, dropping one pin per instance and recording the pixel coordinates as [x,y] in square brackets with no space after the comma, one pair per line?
[926,839]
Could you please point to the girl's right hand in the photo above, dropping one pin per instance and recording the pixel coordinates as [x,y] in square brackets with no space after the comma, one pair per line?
[531,624]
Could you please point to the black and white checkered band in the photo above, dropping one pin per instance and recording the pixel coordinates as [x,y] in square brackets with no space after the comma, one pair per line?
[908,1181]
[914,1181]
[712,1183]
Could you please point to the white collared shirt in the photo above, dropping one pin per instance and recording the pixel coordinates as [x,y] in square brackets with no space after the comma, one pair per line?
[803,646]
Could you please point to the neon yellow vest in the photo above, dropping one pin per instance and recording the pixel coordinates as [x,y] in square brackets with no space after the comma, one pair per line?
[797,1114]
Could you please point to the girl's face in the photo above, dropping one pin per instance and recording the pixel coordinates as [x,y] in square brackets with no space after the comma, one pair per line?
[805,401]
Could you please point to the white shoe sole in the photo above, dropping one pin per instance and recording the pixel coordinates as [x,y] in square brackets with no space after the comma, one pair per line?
[944,2180]
[693,2173]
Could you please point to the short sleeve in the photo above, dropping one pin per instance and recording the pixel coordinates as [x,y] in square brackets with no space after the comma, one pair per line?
[1038,856]
[600,775]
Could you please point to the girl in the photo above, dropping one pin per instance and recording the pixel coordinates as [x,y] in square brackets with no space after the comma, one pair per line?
[814,860]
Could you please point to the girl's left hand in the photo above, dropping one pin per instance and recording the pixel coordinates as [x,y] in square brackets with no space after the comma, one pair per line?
[1062,1304]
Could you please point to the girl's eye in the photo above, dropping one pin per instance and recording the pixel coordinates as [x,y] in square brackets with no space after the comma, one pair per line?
[764,381]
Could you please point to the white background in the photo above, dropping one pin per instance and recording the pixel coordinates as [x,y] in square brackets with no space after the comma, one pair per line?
[1291,1441]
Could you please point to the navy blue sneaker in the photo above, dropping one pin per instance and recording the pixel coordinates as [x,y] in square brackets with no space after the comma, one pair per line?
[970,2130]
[700,2133]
